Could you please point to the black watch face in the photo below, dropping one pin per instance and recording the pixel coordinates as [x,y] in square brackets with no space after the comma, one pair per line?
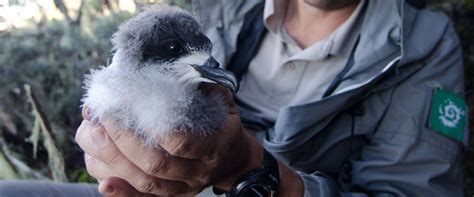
[257,190]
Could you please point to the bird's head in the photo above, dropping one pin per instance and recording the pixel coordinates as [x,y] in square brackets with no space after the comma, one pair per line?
[171,39]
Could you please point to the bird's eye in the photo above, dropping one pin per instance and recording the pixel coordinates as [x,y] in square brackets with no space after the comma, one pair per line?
[164,51]
[174,48]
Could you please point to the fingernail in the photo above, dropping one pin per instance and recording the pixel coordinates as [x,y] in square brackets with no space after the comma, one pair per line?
[87,113]
[98,137]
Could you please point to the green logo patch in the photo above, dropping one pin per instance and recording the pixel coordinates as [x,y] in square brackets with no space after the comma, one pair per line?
[448,114]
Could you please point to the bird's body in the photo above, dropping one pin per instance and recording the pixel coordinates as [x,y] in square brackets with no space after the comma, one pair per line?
[151,86]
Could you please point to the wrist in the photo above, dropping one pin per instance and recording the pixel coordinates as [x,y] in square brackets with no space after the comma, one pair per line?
[255,155]
[248,156]
[290,182]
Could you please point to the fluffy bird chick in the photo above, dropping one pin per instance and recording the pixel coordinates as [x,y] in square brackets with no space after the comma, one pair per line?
[151,86]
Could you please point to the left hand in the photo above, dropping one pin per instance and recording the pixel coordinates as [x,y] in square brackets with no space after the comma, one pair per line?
[184,164]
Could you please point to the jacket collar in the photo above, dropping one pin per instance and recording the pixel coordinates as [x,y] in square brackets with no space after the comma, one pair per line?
[392,36]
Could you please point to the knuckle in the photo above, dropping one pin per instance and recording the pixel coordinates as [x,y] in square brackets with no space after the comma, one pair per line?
[195,189]
[183,148]
[147,186]
[157,167]
[116,135]
[157,164]
[115,159]
[202,174]
[91,171]
[87,159]
[80,131]
[203,179]
[90,167]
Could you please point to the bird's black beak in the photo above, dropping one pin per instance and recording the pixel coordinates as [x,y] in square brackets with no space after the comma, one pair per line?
[210,70]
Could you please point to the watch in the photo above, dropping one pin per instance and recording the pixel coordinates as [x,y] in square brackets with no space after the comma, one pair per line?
[261,182]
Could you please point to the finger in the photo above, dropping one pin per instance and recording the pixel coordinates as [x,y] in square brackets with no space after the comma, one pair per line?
[156,161]
[116,187]
[96,143]
[97,168]
[186,145]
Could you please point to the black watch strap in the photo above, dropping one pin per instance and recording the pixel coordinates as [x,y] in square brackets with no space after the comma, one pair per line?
[262,181]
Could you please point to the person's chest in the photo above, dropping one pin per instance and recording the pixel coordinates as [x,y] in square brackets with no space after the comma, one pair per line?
[282,75]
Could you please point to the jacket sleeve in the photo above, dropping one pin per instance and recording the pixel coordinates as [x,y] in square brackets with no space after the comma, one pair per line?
[405,157]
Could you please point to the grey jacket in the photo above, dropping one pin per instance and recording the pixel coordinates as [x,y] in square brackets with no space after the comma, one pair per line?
[370,136]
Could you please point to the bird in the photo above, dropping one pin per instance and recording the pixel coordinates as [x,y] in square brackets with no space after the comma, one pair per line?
[151,86]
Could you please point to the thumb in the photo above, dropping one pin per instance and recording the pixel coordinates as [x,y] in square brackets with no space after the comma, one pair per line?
[117,187]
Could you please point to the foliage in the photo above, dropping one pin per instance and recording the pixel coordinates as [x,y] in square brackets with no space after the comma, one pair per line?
[43,127]
[185,4]
[53,58]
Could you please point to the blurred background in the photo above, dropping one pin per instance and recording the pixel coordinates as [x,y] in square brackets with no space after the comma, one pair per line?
[46,47]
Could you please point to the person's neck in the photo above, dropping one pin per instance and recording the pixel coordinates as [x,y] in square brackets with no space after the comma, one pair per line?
[307,24]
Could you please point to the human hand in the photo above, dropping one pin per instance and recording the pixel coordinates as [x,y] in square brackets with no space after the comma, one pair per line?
[183,164]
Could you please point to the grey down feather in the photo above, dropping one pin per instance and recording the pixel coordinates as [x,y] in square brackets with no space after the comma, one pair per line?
[151,86]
